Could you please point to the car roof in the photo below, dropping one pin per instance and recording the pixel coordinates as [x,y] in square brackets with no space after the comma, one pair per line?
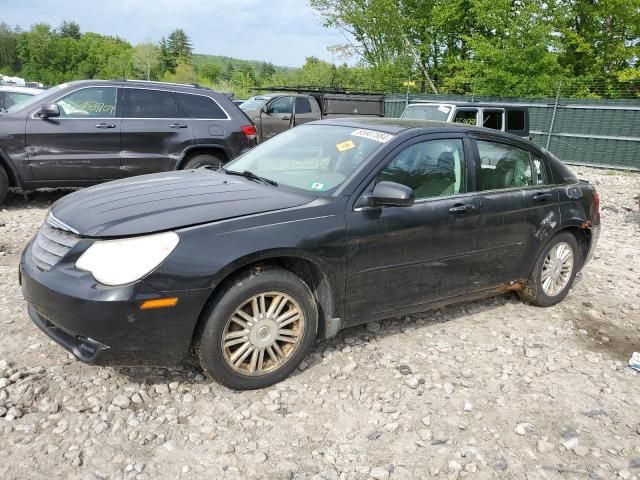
[393,125]
[16,89]
[182,87]
[466,104]
[396,126]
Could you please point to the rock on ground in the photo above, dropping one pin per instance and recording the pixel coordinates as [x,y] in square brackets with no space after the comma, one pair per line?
[488,389]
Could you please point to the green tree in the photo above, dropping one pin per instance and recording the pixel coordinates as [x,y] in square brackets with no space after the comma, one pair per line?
[184,73]
[167,62]
[209,71]
[69,30]
[179,46]
[8,51]
[146,59]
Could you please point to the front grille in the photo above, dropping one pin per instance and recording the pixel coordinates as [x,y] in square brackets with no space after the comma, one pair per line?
[50,245]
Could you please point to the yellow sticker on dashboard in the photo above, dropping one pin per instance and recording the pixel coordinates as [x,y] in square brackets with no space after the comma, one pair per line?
[345,146]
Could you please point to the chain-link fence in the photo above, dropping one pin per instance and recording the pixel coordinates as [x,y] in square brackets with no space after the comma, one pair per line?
[602,132]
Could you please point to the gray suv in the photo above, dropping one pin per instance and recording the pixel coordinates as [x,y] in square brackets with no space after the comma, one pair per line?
[81,133]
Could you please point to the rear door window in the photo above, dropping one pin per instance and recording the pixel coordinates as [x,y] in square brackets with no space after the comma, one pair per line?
[492,119]
[200,106]
[143,103]
[466,116]
[503,166]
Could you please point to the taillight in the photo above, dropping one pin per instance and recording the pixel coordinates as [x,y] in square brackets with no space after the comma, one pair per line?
[596,201]
[249,131]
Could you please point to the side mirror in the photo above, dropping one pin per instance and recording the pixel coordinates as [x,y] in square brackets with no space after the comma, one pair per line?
[49,110]
[391,194]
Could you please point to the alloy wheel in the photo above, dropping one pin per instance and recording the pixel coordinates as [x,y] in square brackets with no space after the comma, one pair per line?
[557,269]
[263,333]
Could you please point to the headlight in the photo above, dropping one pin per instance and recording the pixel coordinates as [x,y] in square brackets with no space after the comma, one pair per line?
[117,262]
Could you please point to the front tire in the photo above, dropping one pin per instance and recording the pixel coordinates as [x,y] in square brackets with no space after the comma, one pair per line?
[4,184]
[554,272]
[203,160]
[258,329]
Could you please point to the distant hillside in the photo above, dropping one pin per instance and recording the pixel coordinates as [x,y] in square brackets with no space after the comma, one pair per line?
[236,63]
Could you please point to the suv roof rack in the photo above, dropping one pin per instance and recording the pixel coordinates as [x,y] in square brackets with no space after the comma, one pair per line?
[316,89]
[156,82]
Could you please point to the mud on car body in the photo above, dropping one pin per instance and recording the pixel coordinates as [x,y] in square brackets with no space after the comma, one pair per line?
[331,224]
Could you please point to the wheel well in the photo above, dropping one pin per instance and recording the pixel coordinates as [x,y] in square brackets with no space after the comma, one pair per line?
[308,271]
[218,152]
[583,237]
[10,175]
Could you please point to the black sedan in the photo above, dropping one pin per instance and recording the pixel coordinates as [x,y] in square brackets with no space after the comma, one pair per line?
[328,225]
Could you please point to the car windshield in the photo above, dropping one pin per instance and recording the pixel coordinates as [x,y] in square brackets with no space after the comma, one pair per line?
[35,100]
[253,103]
[316,158]
[427,112]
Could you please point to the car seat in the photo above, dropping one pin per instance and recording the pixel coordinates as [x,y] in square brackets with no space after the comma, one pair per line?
[439,181]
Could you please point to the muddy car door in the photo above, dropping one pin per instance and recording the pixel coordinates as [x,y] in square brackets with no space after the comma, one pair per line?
[79,139]
[276,117]
[408,256]
[518,209]
[305,110]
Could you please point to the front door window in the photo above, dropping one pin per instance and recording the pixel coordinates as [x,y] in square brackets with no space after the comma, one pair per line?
[432,169]
[94,102]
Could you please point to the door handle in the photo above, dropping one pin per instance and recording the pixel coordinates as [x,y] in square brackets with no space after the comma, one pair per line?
[542,196]
[178,125]
[105,125]
[461,209]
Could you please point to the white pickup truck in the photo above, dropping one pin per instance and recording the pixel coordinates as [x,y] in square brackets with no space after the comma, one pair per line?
[505,117]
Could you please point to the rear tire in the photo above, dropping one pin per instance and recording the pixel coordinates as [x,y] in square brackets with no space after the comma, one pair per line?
[552,277]
[4,184]
[203,160]
[258,329]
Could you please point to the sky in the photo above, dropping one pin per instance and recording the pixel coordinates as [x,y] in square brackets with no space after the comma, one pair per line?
[282,32]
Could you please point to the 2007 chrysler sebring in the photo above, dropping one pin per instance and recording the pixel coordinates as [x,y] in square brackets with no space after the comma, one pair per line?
[330,224]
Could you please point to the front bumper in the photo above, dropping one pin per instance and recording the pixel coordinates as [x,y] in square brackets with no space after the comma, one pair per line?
[104,325]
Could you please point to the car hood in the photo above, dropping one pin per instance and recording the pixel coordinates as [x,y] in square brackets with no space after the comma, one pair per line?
[167,201]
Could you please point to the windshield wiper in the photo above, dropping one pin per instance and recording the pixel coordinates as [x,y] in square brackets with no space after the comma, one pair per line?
[252,176]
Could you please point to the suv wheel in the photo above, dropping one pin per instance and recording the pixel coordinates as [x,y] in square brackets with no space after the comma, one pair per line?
[4,184]
[258,329]
[203,160]
[554,272]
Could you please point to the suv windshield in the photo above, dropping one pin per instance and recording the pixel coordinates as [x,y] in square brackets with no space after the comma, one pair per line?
[316,158]
[32,101]
[253,103]
[427,112]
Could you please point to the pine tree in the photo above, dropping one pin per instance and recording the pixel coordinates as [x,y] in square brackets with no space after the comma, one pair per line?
[70,30]
[179,46]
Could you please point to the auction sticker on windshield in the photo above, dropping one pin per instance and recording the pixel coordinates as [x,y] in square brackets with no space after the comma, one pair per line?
[372,135]
[348,145]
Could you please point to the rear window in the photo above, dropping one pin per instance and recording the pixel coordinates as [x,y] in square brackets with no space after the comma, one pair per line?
[143,103]
[515,120]
[200,106]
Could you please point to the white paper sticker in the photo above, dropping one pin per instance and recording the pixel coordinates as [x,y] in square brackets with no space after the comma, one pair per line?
[372,135]
[444,109]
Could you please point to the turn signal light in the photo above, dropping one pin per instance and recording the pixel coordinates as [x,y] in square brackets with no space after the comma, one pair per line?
[159,303]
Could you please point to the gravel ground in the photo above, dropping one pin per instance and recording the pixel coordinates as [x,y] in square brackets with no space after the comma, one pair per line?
[490,389]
